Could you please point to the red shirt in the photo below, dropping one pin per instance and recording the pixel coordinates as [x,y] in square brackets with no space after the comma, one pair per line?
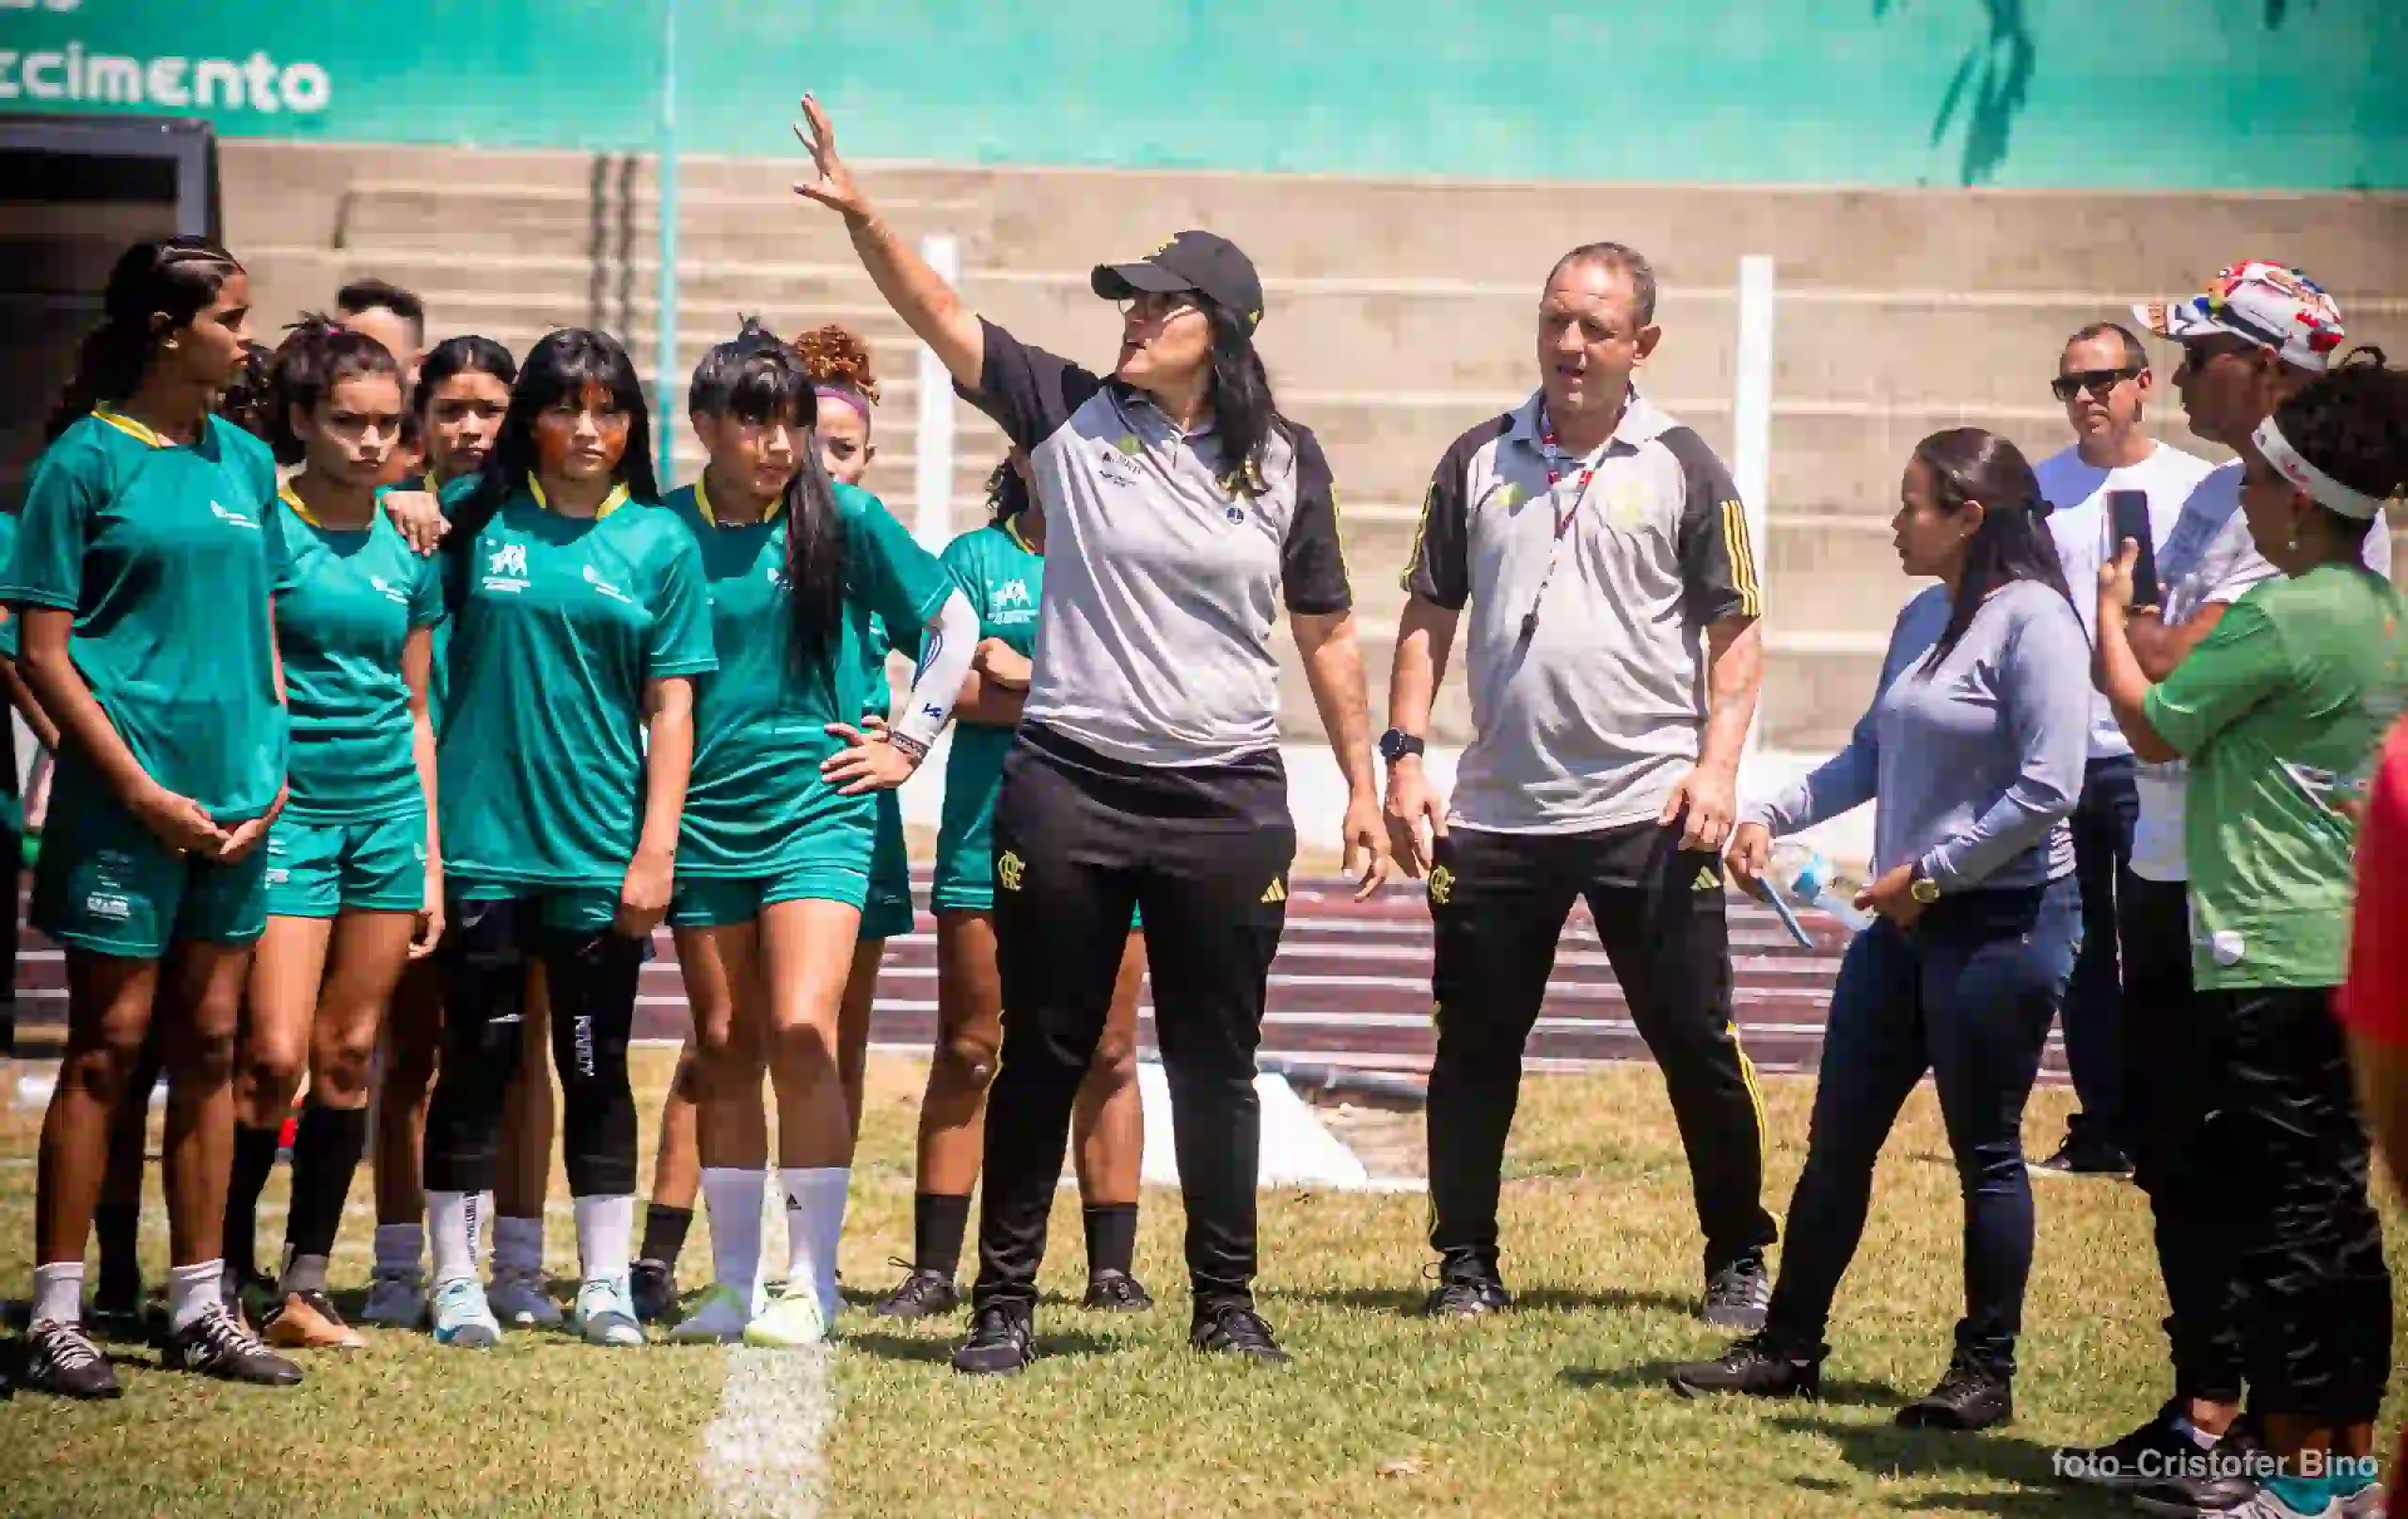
[2374,1000]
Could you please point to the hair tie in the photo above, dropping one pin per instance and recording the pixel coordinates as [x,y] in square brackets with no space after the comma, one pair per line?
[847,395]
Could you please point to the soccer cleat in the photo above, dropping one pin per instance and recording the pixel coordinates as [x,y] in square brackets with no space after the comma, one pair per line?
[653,1284]
[606,1313]
[2225,1482]
[62,1360]
[921,1294]
[2165,1443]
[2261,1503]
[718,1319]
[794,1317]
[307,1321]
[520,1298]
[1117,1292]
[1969,1397]
[1761,1366]
[462,1317]
[1738,1296]
[1469,1288]
[396,1298]
[1001,1343]
[1235,1329]
[218,1344]
[2086,1157]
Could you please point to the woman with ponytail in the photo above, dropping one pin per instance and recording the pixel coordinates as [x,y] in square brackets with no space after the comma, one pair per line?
[580,620]
[147,537]
[2280,712]
[355,875]
[776,855]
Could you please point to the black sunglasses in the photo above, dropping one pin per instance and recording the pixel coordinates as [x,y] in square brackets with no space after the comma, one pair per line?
[2097,382]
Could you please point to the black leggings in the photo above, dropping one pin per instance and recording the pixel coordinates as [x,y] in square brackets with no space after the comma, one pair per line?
[593,982]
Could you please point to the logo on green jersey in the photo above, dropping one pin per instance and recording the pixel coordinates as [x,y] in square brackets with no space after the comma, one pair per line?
[506,569]
[1012,594]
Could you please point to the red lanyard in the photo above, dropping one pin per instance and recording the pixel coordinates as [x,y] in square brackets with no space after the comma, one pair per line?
[1563,515]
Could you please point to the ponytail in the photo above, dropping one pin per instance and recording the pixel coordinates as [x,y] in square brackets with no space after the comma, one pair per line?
[314,357]
[176,278]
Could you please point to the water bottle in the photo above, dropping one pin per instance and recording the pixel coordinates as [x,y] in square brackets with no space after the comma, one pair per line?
[1801,874]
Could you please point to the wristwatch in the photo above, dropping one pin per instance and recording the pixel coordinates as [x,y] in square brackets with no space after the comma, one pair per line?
[1396,744]
[1922,888]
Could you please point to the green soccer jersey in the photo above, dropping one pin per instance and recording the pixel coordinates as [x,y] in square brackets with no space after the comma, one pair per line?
[344,607]
[166,554]
[8,629]
[2279,711]
[1004,580]
[757,803]
[558,623]
[438,671]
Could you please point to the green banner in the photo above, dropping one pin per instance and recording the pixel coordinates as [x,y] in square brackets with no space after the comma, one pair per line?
[2178,94]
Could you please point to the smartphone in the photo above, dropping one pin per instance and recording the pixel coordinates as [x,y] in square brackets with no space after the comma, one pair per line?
[2128,518]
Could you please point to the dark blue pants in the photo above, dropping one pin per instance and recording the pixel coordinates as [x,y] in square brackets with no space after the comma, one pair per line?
[2094,1010]
[1967,995]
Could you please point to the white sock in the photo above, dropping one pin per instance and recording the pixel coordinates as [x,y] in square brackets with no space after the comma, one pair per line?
[732,1199]
[814,1219]
[401,1247]
[58,1290]
[517,1244]
[455,1222]
[605,1228]
[193,1290]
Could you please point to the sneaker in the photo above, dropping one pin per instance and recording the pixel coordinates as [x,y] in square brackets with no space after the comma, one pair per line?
[1969,1397]
[1117,1292]
[720,1318]
[396,1298]
[606,1313]
[2226,1486]
[2085,1157]
[1761,1366]
[216,1344]
[1469,1286]
[62,1360]
[653,1284]
[1235,1329]
[921,1294]
[307,1321]
[1000,1344]
[1739,1295]
[520,1298]
[793,1317]
[2261,1503]
[462,1316]
[2165,1443]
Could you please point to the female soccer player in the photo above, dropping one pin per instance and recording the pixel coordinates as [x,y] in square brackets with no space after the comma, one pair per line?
[779,821]
[580,618]
[144,537]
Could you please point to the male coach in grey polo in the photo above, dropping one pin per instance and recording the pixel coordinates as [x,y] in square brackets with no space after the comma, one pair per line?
[1603,556]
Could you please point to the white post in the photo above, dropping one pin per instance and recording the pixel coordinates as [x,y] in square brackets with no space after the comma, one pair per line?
[933,449]
[1751,416]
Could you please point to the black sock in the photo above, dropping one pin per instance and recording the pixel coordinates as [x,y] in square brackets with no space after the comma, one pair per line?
[117,1225]
[939,1220]
[254,1158]
[664,1232]
[1112,1237]
[325,1155]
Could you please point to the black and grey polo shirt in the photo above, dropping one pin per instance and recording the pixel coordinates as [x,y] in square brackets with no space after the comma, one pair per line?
[1588,718]
[1153,638]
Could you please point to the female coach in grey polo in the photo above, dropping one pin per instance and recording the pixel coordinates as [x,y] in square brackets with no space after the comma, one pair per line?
[1972,754]
[1181,509]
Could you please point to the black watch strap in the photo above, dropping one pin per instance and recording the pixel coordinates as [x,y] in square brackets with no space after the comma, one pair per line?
[1396,744]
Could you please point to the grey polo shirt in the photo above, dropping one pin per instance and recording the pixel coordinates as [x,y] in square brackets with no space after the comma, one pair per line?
[1590,720]
[1161,576]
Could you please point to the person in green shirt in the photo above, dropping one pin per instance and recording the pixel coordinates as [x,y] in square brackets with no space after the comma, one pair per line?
[354,879]
[1001,566]
[581,619]
[2280,711]
[774,861]
[143,572]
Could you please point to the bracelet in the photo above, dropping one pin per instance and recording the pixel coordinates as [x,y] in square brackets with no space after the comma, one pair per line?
[907,744]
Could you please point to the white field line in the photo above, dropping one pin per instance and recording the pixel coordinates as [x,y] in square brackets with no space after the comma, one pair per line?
[761,1456]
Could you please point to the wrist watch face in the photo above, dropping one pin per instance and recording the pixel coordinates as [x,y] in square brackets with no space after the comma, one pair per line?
[1925,890]
[1395,745]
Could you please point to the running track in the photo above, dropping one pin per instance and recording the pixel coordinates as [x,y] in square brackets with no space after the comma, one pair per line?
[1350,988]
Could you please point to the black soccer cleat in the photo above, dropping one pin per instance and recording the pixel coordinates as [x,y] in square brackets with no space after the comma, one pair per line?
[2165,1444]
[921,1294]
[1469,1286]
[653,1285]
[1739,1295]
[1235,1329]
[1117,1292]
[61,1359]
[218,1345]
[1969,1397]
[999,1343]
[1761,1366]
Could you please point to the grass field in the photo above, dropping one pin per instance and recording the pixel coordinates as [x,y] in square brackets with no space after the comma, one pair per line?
[1557,1408]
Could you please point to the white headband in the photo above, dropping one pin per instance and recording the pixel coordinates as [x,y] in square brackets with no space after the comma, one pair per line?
[2321,488]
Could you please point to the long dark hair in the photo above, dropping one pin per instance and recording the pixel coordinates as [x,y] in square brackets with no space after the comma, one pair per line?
[1967,464]
[560,365]
[757,378]
[2352,422]
[456,357]
[1244,412]
[1007,493]
[179,276]
[314,357]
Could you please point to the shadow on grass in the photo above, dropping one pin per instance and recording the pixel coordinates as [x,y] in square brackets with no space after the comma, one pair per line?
[1409,1300]
[892,1347]
[1654,1376]
[1888,1452]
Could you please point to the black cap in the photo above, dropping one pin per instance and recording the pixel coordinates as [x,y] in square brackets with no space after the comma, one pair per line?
[1191,260]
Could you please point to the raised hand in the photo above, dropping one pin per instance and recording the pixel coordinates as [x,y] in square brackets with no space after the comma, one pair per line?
[831,184]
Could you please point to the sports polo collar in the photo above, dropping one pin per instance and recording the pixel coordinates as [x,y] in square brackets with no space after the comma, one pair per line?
[617,498]
[1011,530]
[1642,422]
[702,505]
[139,431]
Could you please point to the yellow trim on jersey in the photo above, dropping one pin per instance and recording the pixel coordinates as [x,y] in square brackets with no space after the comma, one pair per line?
[300,508]
[617,498]
[1420,531]
[1011,530]
[139,431]
[702,505]
[1755,1097]
[1742,553]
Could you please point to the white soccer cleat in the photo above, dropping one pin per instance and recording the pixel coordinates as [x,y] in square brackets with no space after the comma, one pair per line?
[794,1317]
[521,1300]
[606,1312]
[720,1318]
[461,1316]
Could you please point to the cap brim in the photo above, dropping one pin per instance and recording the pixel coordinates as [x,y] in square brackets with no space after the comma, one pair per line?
[1118,281]
[2179,319]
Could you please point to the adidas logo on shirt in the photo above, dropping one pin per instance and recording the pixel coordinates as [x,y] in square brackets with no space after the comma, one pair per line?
[1708,879]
